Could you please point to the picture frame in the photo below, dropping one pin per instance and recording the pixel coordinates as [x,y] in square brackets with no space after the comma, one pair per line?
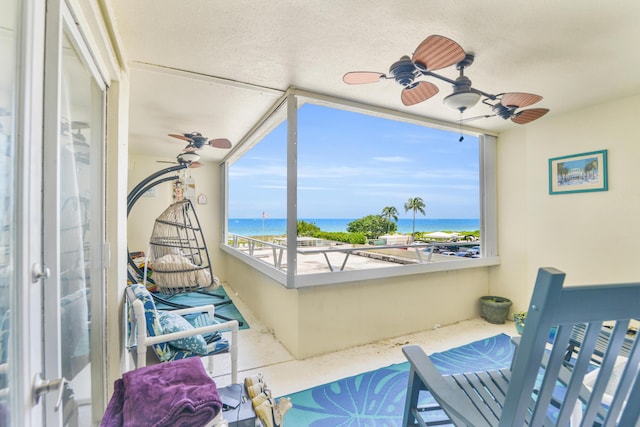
[578,173]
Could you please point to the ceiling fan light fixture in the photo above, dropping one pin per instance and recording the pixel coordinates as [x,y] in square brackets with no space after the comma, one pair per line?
[462,100]
[188,157]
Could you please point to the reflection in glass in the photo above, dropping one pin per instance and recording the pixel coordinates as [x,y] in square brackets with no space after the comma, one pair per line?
[8,281]
[80,235]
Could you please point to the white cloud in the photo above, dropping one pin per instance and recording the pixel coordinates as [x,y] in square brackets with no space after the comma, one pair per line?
[394,159]
[267,170]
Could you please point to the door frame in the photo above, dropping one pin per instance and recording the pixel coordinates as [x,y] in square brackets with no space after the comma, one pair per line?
[27,320]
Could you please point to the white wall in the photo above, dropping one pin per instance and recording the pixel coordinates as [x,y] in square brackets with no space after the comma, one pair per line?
[593,237]
[323,319]
[341,316]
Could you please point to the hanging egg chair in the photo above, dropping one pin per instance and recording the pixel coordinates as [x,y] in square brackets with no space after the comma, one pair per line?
[178,253]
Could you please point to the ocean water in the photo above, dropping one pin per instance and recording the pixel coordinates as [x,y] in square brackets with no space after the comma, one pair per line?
[278,226]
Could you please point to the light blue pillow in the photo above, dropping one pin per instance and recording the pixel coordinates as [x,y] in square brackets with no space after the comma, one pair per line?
[171,322]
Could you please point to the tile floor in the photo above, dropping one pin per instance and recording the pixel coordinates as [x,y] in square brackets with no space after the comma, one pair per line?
[259,351]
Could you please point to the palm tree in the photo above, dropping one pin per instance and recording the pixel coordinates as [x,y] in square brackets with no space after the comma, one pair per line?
[415,204]
[389,212]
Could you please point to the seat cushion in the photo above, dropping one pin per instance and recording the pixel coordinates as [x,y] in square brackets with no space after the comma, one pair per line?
[171,322]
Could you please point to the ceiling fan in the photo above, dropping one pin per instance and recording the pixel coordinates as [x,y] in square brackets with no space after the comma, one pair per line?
[196,141]
[188,158]
[437,52]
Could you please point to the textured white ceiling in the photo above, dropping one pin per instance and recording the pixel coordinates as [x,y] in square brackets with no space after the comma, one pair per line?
[186,55]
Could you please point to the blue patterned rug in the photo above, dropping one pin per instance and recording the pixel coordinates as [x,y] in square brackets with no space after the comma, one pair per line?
[225,309]
[376,398]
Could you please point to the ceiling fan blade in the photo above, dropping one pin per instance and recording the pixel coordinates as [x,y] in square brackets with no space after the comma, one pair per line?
[469,119]
[418,93]
[362,77]
[180,136]
[527,116]
[519,99]
[166,161]
[194,165]
[436,52]
[220,143]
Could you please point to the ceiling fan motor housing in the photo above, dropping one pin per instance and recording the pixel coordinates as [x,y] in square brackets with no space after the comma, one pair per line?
[502,111]
[462,84]
[403,71]
[199,141]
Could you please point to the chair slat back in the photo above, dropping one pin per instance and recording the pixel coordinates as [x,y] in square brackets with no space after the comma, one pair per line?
[554,306]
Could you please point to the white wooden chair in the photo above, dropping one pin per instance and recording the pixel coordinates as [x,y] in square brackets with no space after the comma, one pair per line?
[146,330]
[528,392]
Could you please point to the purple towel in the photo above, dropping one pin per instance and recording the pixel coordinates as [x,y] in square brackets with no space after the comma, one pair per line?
[178,393]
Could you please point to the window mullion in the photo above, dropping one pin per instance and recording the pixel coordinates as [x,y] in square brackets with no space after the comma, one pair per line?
[292,189]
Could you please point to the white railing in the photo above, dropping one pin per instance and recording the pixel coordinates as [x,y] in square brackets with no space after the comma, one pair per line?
[274,253]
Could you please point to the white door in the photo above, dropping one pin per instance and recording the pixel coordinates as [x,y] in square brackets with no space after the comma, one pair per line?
[51,219]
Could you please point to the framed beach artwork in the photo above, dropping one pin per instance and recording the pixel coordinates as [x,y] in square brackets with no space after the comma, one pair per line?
[578,173]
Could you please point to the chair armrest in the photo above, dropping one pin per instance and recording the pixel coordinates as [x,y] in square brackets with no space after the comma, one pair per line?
[232,324]
[445,393]
[209,308]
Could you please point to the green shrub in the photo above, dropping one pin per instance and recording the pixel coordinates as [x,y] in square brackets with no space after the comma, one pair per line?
[372,226]
[307,228]
[339,236]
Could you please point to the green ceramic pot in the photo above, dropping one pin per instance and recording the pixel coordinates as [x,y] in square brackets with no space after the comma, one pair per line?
[495,309]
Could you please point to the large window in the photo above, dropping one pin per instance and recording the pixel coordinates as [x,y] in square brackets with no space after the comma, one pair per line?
[411,195]
[351,165]
[258,186]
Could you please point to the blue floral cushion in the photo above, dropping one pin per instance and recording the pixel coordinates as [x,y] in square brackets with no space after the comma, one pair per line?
[171,322]
[164,351]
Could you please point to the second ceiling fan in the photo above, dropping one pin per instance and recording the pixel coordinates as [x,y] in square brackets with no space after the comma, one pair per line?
[437,52]
[195,142]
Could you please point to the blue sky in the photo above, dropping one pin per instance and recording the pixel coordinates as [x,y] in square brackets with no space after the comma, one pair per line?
[351,165]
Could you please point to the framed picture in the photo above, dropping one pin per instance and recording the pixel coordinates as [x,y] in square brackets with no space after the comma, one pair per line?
[578,173]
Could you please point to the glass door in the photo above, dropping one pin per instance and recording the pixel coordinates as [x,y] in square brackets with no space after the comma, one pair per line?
[74,232]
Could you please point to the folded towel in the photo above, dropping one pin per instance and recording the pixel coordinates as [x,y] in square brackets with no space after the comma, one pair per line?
[177,393]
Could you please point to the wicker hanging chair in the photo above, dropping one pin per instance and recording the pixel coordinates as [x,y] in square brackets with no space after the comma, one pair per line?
[178,253]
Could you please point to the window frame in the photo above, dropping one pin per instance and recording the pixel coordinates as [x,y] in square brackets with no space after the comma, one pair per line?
[286,108]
